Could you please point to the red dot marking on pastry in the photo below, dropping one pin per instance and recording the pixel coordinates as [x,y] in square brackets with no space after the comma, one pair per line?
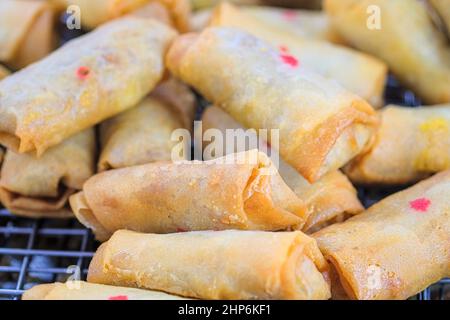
[290,60]
[83,72]
[420,204]
[289,14]
[118,298]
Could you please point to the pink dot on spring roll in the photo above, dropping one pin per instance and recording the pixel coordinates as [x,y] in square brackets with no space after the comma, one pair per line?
[289,14]
[118,298]
[420,204]
[83,73]
[290,60]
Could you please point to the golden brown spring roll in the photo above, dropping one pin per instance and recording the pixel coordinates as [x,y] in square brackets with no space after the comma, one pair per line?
[166,197]
[302,23]
[443,9]
[3,72]
[81,290]
[95,13]
[215,265]
[26,32]
[143,134]
[321,125]
[395,249]
[40,187]
[405,28]
[86,81]
[355,71]
[329,199]
[411,144]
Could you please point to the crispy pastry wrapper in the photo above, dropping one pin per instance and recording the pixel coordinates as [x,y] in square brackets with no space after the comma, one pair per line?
[358,72]
[332,198]
[84,82]
[321,125]
[314,25]
[240,191]
[26,32]
[405,28]
[95,13]
[215,265]
[412,143]
[40,187]
[80,290]
[143,134]
[395,249]
[443,9]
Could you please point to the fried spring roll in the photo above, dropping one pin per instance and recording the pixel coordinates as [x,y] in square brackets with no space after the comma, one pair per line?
[40,187]
[26,32]
[355,71]
[86,81]
[330,199]
[410,145]
[143,134]
[215,265]
[308,24]
[89,291]
[3,72]
[395,249]
[321,125]
[404,28]
[95,13]
[443,9]
[162,197]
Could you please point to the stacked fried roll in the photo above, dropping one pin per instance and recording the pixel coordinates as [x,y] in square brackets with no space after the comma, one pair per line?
[95,13]
[143,134]
[321,125]
[395,249]
[26,32]
[357,72]
[40,187]
[412,144]
[81,290]
[84,82]
[402,34]
[330,199]
[240,191]
[215,265]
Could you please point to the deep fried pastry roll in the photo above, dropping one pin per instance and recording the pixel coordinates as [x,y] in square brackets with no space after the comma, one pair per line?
[240,191]
[26,32]
[84,82]
[402,34]
[81,290]
[40,187]
[321,125]
[215,265]
[394,250]
[411,144]
[143,134]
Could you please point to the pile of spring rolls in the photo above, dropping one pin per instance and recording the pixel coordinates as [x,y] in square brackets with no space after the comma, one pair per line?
[102,129]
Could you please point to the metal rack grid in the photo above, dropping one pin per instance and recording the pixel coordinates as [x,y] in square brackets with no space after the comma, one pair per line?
[48,250]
